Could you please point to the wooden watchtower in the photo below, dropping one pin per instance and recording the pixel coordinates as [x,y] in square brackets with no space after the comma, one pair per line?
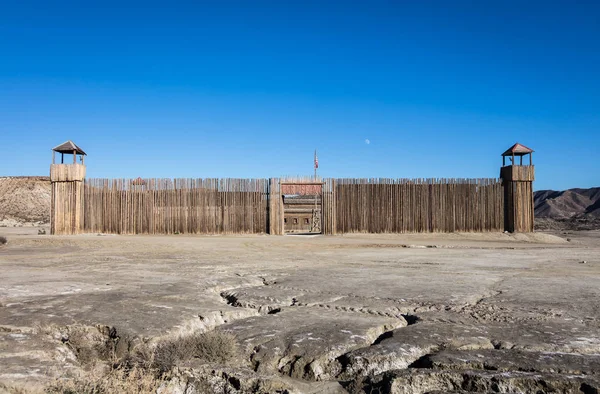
[517,180]
[66,215]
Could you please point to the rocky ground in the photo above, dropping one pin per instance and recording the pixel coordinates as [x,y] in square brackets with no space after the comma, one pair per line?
[426,313]
[567,225]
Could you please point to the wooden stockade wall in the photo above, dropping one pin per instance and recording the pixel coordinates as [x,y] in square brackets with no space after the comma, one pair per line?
[232,206]
[418,205]
[170,206]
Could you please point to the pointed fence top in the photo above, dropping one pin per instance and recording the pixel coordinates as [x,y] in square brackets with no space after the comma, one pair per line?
[68,147]
[517,150]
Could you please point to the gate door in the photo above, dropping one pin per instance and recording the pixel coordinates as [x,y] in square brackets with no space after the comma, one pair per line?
[302,207]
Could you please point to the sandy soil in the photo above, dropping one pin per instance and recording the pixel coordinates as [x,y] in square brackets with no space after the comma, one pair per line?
[398,313]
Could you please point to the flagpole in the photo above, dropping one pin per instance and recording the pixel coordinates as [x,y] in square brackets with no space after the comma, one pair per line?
[315,164]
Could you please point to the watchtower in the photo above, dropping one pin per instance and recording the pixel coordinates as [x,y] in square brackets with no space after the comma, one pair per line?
[517,180]
[66,215]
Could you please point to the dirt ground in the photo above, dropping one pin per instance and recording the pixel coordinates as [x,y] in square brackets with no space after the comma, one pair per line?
[373,313]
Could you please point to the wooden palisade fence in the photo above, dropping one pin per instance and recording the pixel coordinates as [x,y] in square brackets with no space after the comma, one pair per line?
[170,206]
[418,205]
[238,206]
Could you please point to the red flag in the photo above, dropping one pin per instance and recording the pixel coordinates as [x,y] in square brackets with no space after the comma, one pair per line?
[316,161]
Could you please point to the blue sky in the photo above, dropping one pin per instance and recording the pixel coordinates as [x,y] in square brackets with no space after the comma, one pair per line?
[251,88]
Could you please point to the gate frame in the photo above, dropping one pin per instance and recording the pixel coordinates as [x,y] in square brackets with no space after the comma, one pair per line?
[328,204]
[300,183]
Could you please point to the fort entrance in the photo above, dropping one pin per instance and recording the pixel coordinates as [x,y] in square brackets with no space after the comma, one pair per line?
[302,207]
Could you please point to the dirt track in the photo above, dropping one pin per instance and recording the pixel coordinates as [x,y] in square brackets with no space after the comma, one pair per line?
[406,313]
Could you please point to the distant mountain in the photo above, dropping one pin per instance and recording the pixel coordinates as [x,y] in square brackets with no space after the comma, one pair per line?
[568,204]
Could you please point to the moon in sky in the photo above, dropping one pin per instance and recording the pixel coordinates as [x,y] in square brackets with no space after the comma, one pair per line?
[367,141]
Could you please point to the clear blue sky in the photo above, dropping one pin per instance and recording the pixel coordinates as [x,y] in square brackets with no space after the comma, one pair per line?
[250,89]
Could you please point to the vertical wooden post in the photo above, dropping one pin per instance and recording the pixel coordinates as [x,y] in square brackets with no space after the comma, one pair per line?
[275,207]
[328,207]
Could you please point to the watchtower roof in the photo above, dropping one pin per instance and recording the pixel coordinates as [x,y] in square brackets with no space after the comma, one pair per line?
[68,147]
[517,150]
[138,181]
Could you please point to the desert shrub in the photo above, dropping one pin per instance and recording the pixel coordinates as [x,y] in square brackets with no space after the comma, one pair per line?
[141,356]
[93,345]
[167,355]
[214,346]
[134,366]
[3,240]
[4,389]
[119,380]
[211,347]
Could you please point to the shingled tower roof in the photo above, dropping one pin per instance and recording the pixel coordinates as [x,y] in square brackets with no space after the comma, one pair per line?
[68,147]
[517,150]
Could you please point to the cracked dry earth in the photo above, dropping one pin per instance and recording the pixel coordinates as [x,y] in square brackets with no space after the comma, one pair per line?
[428,313]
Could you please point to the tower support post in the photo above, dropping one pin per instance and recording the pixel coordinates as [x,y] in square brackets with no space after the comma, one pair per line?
[66,216]
[517,182]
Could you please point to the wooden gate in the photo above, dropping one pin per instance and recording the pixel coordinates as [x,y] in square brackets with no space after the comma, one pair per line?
[302,207]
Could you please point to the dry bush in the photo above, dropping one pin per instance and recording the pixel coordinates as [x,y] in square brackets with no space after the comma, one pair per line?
[117,381]
[167,355]
[211,347]
[214,346]
[136,367]
[4,389]
[3,240]
[141,356]
[100,344]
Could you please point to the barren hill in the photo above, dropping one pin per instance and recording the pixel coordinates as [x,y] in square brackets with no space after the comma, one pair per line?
[572,203]
[24,200]
[573,209]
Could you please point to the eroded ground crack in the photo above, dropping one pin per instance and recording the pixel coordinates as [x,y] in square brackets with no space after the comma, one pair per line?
[265,304]
[397,361]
